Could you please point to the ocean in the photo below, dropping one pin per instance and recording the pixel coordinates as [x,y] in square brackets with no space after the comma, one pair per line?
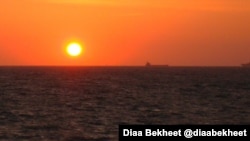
[89,103]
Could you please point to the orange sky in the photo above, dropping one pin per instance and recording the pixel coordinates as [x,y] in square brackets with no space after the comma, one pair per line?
[125,32]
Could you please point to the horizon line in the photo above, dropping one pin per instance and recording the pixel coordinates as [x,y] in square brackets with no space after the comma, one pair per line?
[120,65]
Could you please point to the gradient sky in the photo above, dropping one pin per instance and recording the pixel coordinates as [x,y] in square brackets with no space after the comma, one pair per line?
[125,32]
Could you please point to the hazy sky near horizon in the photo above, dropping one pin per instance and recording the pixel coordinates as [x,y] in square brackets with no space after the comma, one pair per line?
[125,32]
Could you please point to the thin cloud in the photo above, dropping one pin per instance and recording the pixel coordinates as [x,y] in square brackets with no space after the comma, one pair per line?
[151,3]
[199,5]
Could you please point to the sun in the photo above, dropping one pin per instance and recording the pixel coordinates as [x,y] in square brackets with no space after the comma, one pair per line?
[74,49]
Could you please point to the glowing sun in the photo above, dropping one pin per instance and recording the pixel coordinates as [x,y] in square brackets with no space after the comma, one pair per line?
[74,49]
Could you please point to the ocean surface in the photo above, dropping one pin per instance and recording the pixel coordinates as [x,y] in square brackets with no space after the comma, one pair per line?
[88,103]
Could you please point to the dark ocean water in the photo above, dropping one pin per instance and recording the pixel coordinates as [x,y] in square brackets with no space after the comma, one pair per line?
[88,103]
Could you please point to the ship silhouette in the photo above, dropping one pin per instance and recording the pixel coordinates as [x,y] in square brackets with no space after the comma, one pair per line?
[246,65]
[148,64]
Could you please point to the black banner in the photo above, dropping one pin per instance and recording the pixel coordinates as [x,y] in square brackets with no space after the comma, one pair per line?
[183,132]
